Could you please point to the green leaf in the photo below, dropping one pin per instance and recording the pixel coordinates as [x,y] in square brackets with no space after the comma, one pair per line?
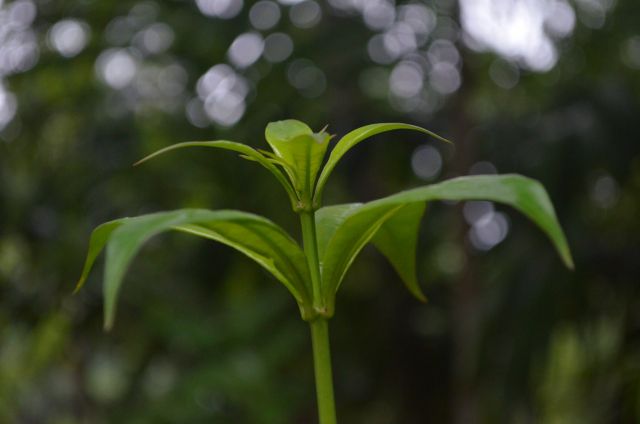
[279,133]
[355,137]
[256,237]
[99,238]
[524,194]
[396,238]
[301,150]
[328,220]
[244,150]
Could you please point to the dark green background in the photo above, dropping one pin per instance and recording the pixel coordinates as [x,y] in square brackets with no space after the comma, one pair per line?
[203,335]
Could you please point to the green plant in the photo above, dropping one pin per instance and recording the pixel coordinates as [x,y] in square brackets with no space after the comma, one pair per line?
[332,236]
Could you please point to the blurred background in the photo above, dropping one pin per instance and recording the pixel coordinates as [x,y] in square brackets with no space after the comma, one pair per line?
[546,88]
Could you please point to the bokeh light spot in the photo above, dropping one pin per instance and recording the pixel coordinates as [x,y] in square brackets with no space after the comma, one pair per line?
[306,14]
[426,162]
[69,37]
[264,15]
[8,106]
[222,92]
[155,39]
[605,191]
[444,78]
[476,210]
[225,9]
[22,13]
[518,30]
[116,67]
[379,14]
[307,78]
[277,47]
[406,79]
[489,231]
[246,49]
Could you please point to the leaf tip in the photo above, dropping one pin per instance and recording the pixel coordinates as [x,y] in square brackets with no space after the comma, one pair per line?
[79,285]
[108,322]
[568,261]
[141,161]
[436,136]
[420,296]
[416,291]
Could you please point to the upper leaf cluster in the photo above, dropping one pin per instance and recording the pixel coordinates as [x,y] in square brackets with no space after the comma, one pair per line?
[340,231]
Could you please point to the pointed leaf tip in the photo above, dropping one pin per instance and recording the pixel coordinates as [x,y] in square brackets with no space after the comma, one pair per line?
[240,148]
[397,239]
[256,237]
[99,238]
[367,222]
[107,326]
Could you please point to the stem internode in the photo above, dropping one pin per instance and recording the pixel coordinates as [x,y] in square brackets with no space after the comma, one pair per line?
[319,325]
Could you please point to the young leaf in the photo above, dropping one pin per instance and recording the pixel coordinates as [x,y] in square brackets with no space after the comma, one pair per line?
[396,238]
[355,137]
[243,149]
[256,237]
[299,147]
[279,133]
[524,194]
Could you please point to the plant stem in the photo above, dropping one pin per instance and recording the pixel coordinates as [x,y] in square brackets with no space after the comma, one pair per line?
[319,326]
[310,242]
[322,367]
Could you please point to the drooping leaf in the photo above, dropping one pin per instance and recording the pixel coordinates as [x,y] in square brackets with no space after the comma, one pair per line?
[522,193]
[396,238]
[256,237]
[355,137]
[345,244]
[99,238]
[301,150]
[244,150]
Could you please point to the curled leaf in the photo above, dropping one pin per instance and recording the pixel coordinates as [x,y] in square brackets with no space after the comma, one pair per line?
[243,149]
[354,137]
[258,238]
[364,223]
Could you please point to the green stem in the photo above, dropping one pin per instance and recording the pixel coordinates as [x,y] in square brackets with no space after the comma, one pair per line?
[319,326]
[322,368]
[308,222]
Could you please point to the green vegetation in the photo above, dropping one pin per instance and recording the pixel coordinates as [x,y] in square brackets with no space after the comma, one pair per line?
[202,334]
[332,236]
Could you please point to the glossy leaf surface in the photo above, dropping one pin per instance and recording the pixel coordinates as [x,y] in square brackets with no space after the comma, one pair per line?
[362,224]
[354,137]
[302,151]
[256,237]
[396,238]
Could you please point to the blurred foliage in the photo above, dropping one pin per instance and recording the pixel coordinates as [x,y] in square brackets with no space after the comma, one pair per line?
[205,336]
